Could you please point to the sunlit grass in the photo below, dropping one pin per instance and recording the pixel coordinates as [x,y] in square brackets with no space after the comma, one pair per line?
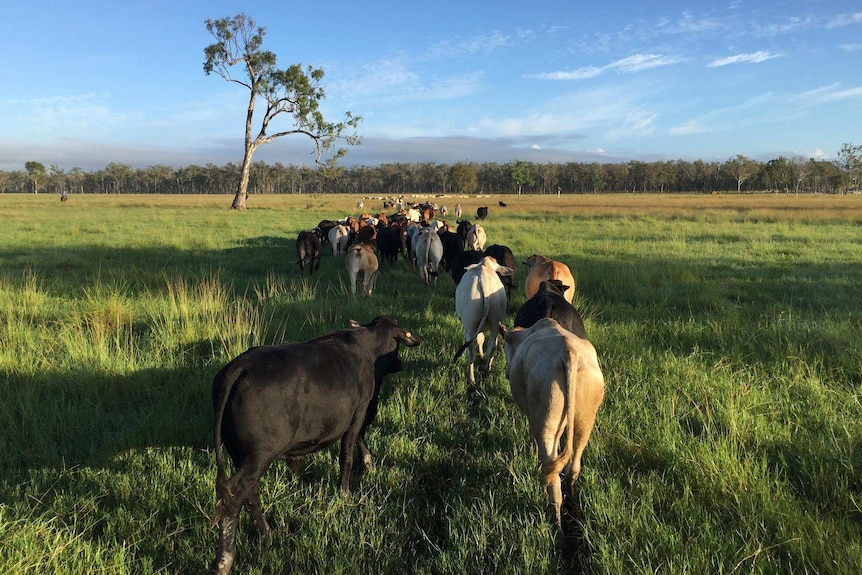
[728,328]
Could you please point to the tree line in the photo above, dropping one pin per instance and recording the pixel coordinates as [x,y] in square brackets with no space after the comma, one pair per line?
[737,174]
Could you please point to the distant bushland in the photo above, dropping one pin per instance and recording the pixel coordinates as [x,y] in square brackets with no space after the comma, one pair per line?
[736,174]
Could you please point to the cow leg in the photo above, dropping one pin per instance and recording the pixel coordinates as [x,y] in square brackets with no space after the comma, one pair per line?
[364,459]
[345,456]
[471,371]
[370,283]
[226,545]
[551,480]
[232,495]
[254,509]
[490,346]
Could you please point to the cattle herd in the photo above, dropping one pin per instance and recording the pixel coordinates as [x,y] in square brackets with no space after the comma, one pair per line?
[290,400]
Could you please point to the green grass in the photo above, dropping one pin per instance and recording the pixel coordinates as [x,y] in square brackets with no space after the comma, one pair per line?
[729,330]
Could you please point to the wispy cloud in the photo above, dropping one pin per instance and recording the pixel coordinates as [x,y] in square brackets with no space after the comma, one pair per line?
[720,119]
[481,44]
[627,65]
[751,58]
[689,23]
[689,128]
[791,24]
[851,47]
[395,80]
[845,20]
[827,94]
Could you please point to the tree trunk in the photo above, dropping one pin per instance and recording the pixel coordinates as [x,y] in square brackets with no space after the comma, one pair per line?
[242,191]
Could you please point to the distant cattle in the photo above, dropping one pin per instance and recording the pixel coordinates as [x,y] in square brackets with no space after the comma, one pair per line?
[308,251]
[476,238]
[286,401]
[339,237]
[457,212]
[361,263]
[360,204]
[482,213]
[502,204]
[462,261]
[429,252]
[540,268]
[557,383]
[480,303]
[548,301]
[504,257]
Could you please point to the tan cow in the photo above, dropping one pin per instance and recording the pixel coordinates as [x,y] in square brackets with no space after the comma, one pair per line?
[557,383]
[361,261]
[540,268]
[476,238]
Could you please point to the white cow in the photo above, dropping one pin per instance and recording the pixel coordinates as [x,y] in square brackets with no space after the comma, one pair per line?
[338,237]
[557,383]
[480,303]
[428,251]
[476,238]
[361,260]
[457,212]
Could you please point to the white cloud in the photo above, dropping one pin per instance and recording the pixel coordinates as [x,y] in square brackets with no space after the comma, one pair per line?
[481,44]
[640,62]
[791,24]
[628,65]
[845,20]
[689,128]
[826,94]
[851,47]
[579,74]
[688,24]
[751,58]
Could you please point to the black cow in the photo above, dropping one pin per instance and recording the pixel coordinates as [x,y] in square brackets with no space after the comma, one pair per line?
[502,204]
[324,226]
[549,302]
[462,260]
[388,242]
[308,250]
[504,257]
[289,400]
[462,229]
[482,213]
[453,244]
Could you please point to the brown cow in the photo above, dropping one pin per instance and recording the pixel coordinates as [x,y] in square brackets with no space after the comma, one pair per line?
[361,260]
[540,268]
[557,383]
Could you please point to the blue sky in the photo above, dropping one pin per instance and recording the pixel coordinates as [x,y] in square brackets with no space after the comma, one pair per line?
[88,83]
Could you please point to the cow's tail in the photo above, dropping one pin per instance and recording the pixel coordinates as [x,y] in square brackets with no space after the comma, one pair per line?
[486,307]
[556,466]
[224,383]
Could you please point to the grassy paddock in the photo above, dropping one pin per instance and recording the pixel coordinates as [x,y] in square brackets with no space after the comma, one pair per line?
[728,328]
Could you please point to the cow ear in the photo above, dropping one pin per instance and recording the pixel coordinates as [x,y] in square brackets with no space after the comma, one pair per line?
[505,271]
[353,323]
